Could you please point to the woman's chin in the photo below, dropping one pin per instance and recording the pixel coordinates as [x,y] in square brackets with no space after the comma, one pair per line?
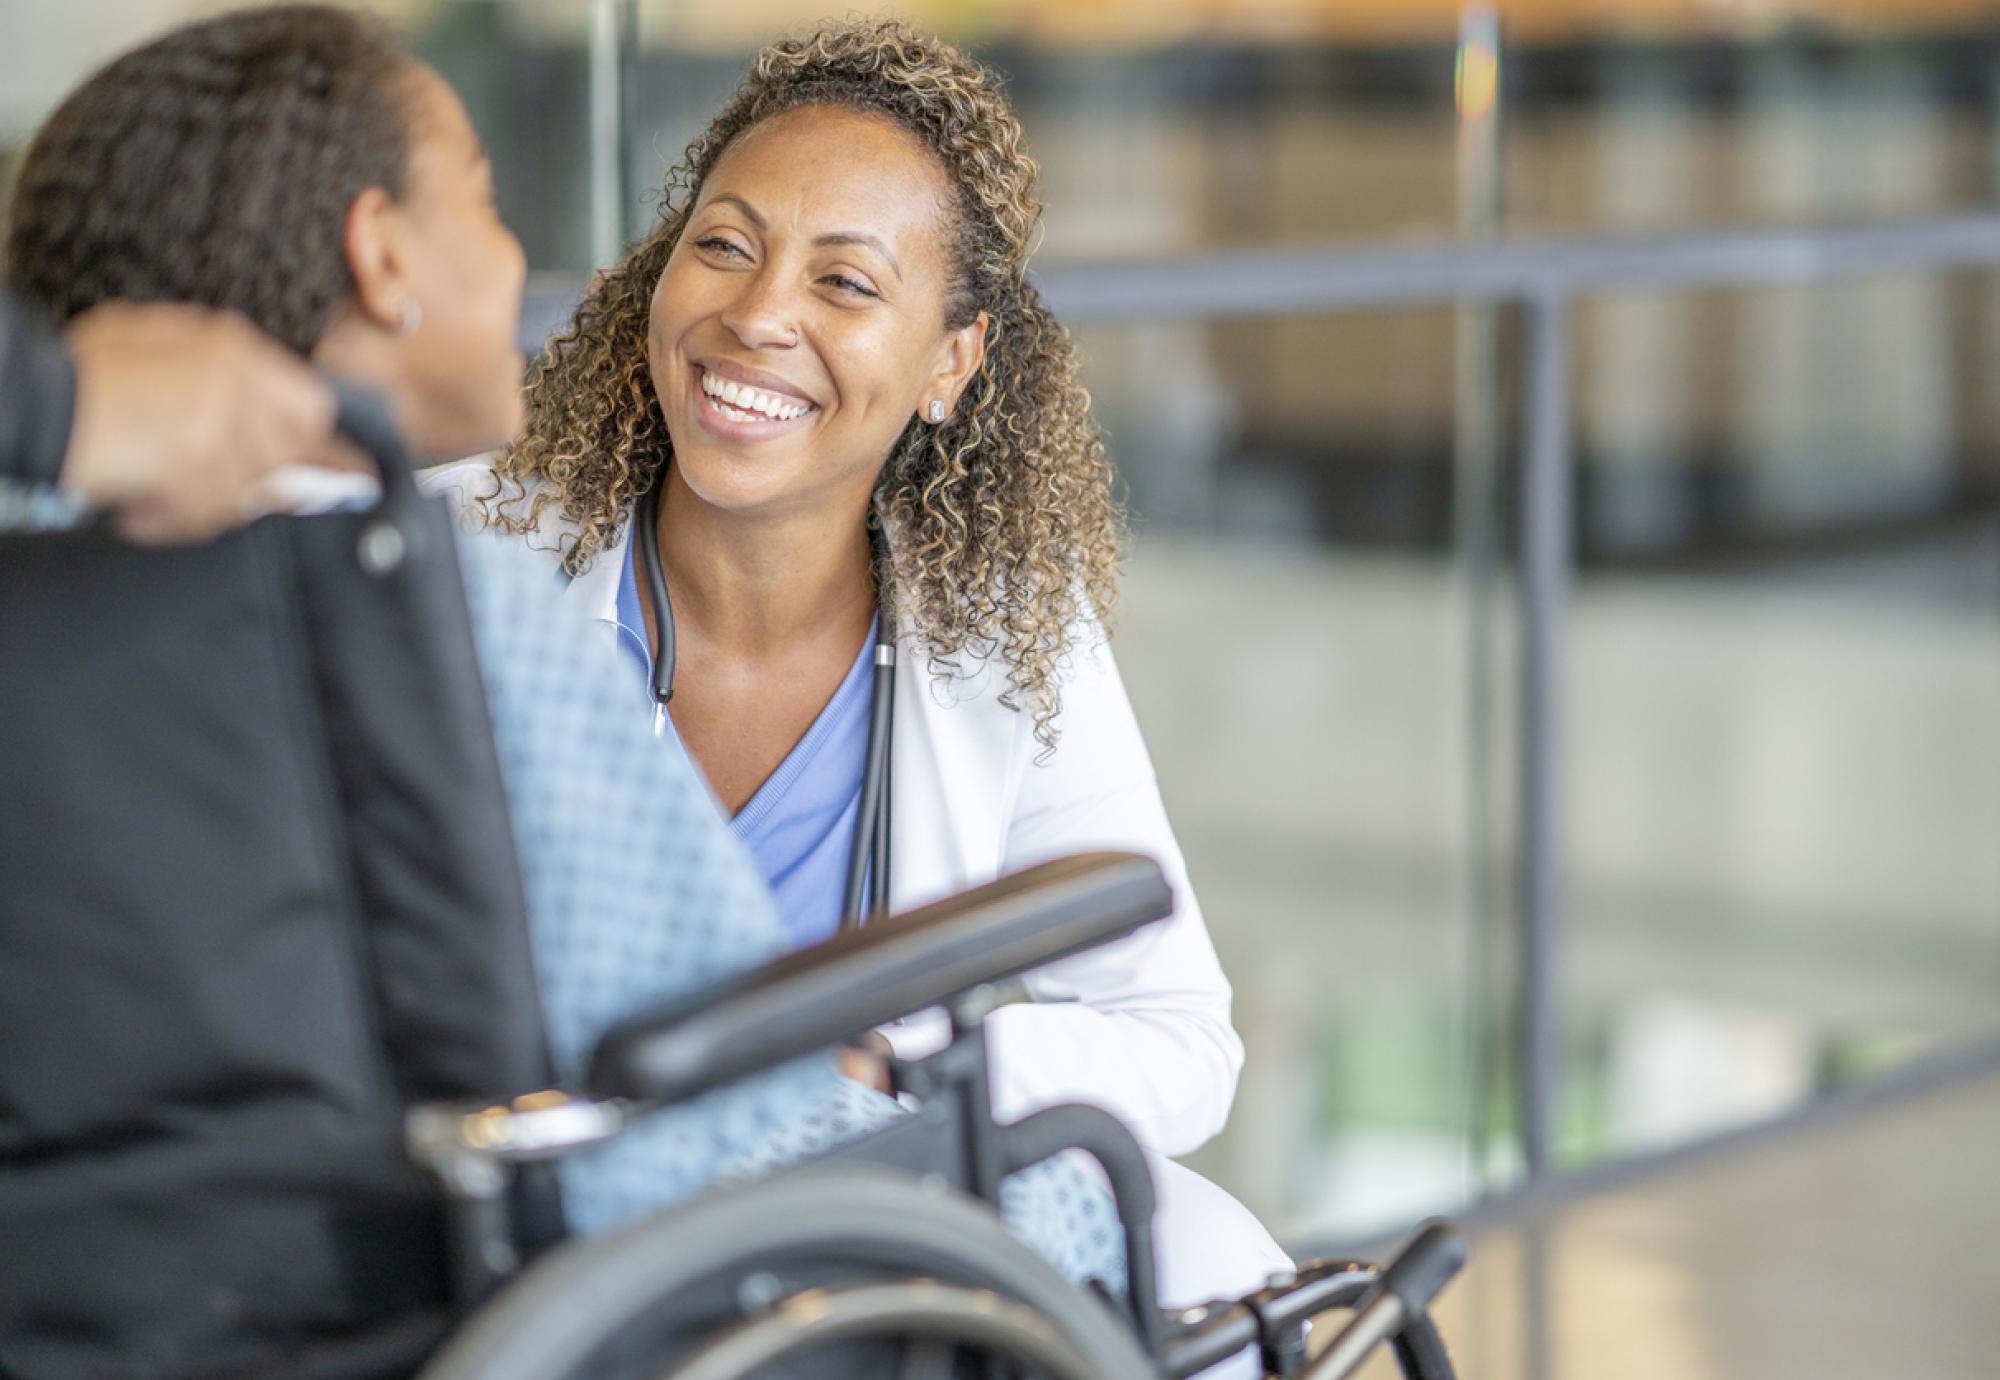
[729,487]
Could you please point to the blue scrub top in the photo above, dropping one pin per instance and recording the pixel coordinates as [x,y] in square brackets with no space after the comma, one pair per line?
[799,826]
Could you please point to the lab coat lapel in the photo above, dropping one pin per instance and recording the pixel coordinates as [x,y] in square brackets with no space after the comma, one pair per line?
[594,594]
[948,765]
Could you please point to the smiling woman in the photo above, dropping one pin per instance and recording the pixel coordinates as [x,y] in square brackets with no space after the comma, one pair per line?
[823,405]
[1006,537]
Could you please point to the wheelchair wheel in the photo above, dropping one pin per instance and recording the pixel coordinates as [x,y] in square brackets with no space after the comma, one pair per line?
[821,1272]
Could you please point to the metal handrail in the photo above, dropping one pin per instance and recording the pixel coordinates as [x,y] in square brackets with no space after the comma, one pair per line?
[1308,280]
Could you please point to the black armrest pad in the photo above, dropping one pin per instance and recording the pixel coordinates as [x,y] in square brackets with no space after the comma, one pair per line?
[820,996]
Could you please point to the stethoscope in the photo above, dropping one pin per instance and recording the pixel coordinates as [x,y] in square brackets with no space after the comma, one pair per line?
[866,895]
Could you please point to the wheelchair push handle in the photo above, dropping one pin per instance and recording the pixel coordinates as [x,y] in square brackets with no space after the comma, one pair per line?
[391,532]
[1406,1289]
[1426,1265]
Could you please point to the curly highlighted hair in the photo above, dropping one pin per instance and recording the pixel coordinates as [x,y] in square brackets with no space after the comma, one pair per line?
[1007,536]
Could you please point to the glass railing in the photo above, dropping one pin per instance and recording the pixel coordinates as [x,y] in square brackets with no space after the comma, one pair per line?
[1773,672]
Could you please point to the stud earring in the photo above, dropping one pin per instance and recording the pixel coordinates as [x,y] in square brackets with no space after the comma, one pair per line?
[937,410]
[413,317]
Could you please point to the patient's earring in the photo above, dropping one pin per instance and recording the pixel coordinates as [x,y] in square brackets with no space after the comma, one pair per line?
[937,410]
[413,317]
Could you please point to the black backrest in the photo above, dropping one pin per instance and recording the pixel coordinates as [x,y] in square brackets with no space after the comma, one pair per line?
[257,895]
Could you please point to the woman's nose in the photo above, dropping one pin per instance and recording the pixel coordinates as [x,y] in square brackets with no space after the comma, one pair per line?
[763,315]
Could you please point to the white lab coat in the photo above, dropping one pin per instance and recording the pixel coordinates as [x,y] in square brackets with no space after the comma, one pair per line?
[1140,1027]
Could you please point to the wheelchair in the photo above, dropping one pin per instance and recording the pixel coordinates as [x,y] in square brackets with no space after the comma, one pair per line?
[356,1179]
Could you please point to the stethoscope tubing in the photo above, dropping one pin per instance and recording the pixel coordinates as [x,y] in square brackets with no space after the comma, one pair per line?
[868,865]
[866,895]
[648,522]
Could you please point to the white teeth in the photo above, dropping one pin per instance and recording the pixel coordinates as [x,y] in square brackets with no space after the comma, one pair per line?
[751,404]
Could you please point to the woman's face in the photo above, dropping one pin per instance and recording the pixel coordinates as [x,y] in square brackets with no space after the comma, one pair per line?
[800,323]
[446,277]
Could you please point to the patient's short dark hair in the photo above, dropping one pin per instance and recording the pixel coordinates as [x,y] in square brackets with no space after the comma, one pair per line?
[215,165]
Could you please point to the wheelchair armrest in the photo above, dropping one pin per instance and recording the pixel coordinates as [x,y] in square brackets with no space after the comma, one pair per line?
[862,978]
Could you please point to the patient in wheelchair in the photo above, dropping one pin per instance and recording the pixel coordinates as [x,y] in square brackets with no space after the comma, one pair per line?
[381,258]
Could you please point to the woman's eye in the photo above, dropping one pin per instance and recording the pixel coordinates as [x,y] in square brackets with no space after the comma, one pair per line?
[847,284]
[715,244]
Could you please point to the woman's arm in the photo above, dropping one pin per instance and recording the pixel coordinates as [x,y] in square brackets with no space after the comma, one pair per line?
[1140,1028]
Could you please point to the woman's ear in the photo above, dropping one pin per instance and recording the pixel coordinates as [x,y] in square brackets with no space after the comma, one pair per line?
[374,237]
[963,352]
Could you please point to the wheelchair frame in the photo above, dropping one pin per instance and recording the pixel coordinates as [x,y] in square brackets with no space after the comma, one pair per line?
[949,954]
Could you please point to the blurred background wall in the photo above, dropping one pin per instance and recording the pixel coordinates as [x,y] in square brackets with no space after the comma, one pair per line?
[1782,680]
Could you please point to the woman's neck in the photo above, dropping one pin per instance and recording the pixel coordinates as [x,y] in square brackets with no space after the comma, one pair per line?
[753,586]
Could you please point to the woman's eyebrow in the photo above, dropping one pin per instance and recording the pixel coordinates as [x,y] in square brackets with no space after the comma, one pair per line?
[869,241]
[749,212]
[832,237]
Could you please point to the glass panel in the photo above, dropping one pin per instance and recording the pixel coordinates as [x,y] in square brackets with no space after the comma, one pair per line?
[1784,701]
[1199,124]
[1157,128]
[1300,682]
[1804,124]
[1783,665]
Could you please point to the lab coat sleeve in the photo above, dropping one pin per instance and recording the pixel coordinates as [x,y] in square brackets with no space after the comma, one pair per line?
[1142,1027]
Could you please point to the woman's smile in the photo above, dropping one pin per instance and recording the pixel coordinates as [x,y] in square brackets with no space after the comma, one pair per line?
[736,403]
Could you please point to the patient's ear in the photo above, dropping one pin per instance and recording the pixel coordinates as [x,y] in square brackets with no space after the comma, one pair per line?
[366,338]
[375,237]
